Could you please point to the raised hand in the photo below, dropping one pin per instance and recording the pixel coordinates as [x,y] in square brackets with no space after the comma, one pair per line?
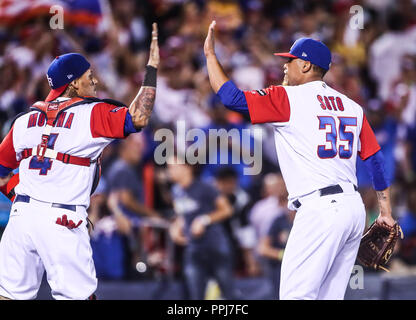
[154,48]
[209,45]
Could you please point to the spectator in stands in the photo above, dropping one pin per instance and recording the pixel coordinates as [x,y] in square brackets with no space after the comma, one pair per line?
[109,236]
[200,209]
[239,230]
[271,206]
[124,177]
[387,51]
[272,246]
[408,224]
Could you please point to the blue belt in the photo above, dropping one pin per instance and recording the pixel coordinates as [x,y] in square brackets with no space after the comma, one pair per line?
[324,192]
[22,198]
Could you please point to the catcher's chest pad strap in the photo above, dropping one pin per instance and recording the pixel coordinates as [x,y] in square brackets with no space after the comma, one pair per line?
[52,111]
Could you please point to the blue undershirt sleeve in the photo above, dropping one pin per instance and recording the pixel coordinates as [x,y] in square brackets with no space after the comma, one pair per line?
[129,126]
[375,166]
[233,98]
[4,171]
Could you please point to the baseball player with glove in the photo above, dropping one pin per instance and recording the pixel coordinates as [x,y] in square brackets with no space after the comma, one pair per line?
[56,146]
[318,134]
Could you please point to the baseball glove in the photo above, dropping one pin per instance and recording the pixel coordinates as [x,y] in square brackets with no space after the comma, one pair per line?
[377,245]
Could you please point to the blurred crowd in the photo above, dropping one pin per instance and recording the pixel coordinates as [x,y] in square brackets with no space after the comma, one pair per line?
[137,206]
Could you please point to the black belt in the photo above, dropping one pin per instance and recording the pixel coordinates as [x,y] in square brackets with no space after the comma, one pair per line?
[22,198]
[324,192]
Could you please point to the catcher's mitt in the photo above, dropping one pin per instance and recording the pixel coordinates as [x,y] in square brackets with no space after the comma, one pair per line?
[377,245]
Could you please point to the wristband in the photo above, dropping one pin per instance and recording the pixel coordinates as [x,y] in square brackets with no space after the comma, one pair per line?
[205,220]
[150,77]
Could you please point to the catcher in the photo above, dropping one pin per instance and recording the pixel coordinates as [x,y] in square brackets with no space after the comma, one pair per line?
[57,146]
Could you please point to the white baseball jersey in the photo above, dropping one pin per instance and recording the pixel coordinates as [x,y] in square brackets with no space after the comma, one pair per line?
[83,131]
[318,133]
[29,243]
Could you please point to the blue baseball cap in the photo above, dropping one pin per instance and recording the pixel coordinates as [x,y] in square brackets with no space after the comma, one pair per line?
[63,70]
[310,50]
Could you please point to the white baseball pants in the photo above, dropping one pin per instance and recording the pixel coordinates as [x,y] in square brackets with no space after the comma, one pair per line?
[323,246]
[32,243]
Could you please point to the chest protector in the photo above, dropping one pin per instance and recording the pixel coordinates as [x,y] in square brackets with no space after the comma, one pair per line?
[52,111]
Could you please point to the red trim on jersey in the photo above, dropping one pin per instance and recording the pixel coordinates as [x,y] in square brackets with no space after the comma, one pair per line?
[7,152]
[268,105]
[64,157]
[369,144]
[107,120]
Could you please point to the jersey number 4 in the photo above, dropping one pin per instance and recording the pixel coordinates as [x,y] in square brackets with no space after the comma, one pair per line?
[332,136]
[45,165]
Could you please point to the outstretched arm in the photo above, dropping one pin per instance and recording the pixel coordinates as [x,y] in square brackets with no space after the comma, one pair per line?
[217,76]
[230,95]
[142,106]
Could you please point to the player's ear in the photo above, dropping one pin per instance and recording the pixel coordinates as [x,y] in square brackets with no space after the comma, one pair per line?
[74,84]
[307,65]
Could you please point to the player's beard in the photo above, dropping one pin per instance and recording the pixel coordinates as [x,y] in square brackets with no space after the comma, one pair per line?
[285,80]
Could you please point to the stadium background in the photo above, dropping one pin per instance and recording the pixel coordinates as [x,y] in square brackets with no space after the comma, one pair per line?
[374,65]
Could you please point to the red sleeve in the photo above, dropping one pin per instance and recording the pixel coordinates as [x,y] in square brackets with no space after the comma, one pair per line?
[268,105]
[107,120]
[369,144]
[7,152]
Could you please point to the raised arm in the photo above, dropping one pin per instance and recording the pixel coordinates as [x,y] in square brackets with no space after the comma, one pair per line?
[232,97]
[217,76]
[142,106]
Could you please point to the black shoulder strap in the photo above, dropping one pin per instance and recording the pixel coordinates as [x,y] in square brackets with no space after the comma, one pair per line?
[83,101]
[114,102]
[109,101]
[16,117]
